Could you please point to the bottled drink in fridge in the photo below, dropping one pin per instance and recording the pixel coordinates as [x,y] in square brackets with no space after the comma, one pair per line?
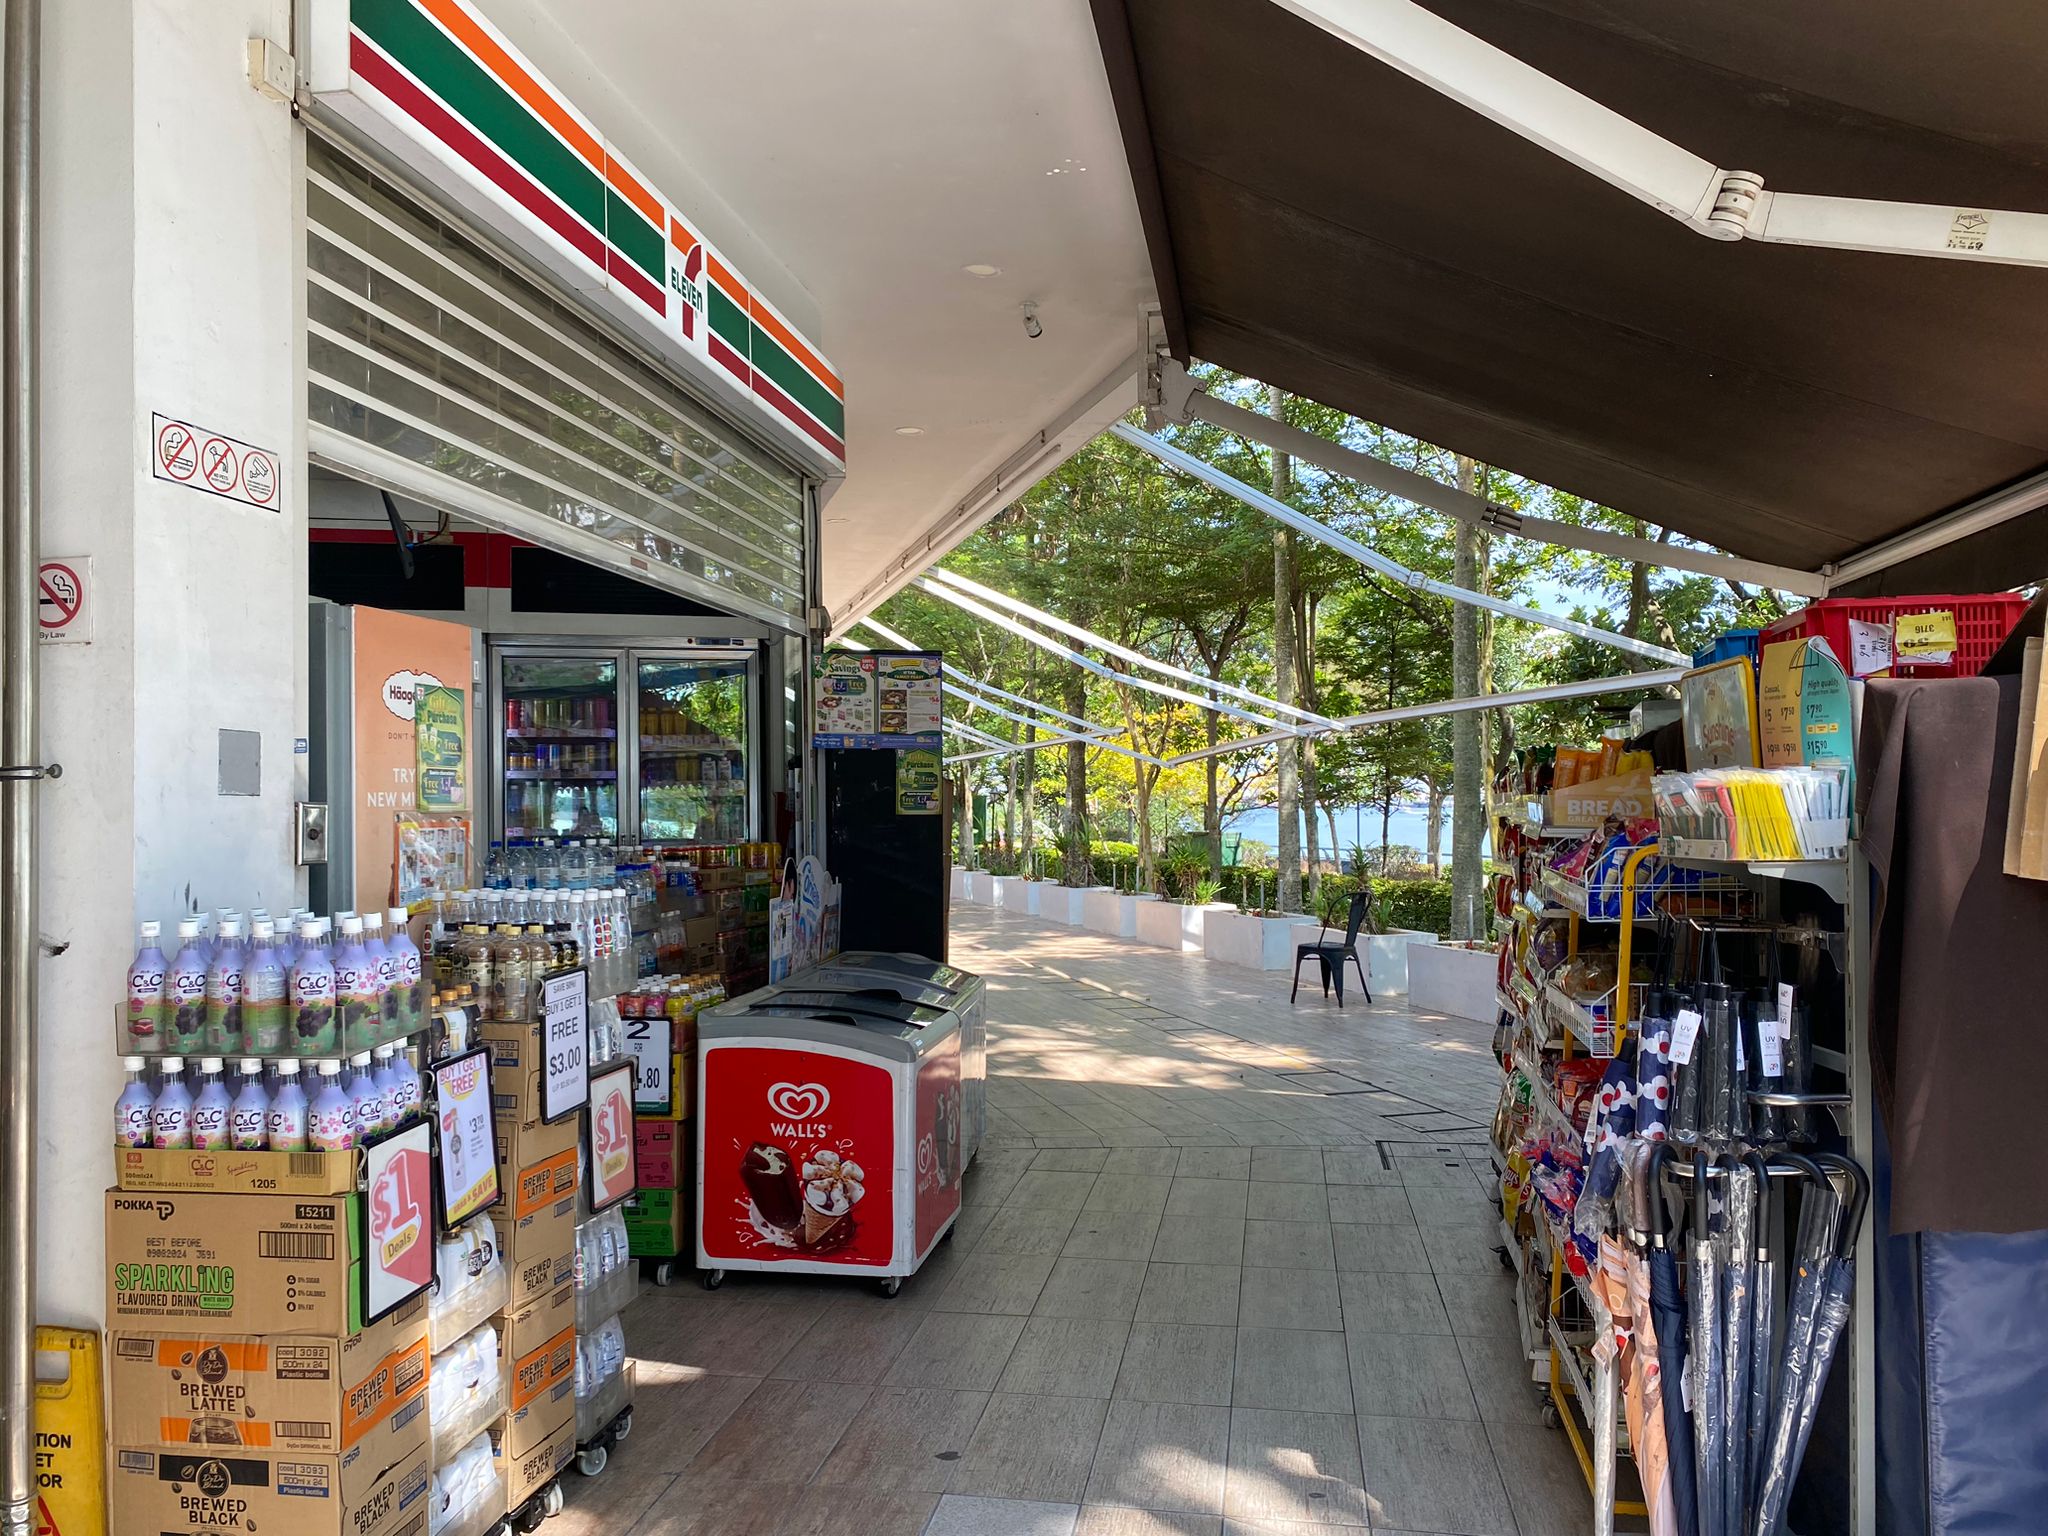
[310,992]
[366,1097]
[355,986]
[331,1118]
[148,1001]
[512,974]
[132,1109]
[384,1023]
[290,1120]
[263,988]
[170,1116]
[225,981]
[210,1108]
[249,1115]
[408,975]
[187,988]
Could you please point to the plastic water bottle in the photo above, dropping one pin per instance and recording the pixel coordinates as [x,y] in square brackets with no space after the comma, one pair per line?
[379,950]
[332,1115]
[495,871]
[132,1109]
[407,1091]
[366,1097]
[408,974]
[264,1011]
[289,1121]
[309,992]
[210,1108]
[249,1115]
[170,1116]
[187,988]
[148,1003]
[224,989]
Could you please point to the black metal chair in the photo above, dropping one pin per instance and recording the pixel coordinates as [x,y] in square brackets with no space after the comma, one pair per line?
[1331,955]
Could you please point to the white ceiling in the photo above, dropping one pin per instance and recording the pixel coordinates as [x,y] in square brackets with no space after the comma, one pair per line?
[852,160]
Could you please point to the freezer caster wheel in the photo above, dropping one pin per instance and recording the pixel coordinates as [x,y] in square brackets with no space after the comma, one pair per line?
[551,1501]
[713,1279]
[1551,1417]
[947,1235]
[591,1462]
[623,1427]
[663,1273]
[529,1519]
[889,1285]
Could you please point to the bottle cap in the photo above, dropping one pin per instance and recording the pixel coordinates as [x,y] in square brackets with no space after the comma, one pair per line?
[345,915]
[188,927]
[351,927]
[152,930]
[397,916]
[373,922]
[383,1052]
[209,1063]
[132,1063]
[360,1059]
[231,928]
[264,929]
[309,928]
[330,1069]
[173,1063]
[289,1067]
[251,1066]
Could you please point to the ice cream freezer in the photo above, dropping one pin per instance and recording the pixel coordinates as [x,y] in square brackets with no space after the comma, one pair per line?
[829,1131]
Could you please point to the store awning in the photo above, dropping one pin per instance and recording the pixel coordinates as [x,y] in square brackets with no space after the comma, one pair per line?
[1320,221]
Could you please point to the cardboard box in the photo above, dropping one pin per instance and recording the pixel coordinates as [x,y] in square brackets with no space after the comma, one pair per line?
[261,1393]
[242,1264]
[515,1071]
[378,1487]
[526,1473]
[541,1386]
[528,1151]
[657,1224]
[536,1225]
[537,1322]
[146,1169]
[658,1150]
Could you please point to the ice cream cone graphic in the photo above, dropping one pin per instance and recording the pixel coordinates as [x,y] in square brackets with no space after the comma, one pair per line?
[832,1187]
[817,1223]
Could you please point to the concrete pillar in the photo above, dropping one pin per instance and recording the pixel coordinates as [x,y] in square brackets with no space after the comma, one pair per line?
[169,248]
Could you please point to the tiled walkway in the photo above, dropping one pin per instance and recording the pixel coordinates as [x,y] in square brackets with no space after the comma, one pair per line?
[1226,1267]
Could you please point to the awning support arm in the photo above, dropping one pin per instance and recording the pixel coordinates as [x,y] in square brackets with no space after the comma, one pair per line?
[1302,523]
[1184,400]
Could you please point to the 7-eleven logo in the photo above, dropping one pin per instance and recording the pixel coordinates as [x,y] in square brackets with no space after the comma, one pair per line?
[686,272]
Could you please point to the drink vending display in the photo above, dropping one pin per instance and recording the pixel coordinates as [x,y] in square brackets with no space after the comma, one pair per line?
[829,1131]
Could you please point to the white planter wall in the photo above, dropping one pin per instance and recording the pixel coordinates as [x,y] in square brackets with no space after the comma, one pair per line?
[1062,903]
[1114,913]
[990,888]
[1260,943]
[1177,925]
[959,885]
[1021,897]
[1444,979]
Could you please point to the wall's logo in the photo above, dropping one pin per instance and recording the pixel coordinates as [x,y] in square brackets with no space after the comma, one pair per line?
[402,689]
[799,1101]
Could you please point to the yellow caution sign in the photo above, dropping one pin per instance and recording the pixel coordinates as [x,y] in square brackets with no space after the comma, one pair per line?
[71,1434]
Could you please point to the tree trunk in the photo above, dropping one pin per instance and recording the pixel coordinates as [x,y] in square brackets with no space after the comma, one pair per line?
[1080,868]
[1386,817]
[1028,847]
[966,820]
[1311,789]
[1468,764]
[1010,808]
[1212,809]
[1143,780]
[1288,854]
[1436,829]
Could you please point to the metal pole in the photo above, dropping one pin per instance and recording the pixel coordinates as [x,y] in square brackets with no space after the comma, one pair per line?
[18,764]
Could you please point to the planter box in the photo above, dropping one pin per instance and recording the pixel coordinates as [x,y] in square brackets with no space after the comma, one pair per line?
[1261,943]
[965,884]
[960,879]
[1062,903]
[1020,896]
[990,888]
[1385,955]
[1177,925]
[1445,979]
[1109,911]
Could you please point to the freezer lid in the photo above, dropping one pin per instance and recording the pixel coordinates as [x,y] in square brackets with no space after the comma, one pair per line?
[916,967]
[862,1005]
[883,1036]
[859,983]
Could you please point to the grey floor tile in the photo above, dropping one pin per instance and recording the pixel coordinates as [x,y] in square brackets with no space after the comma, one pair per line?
[1207,1197]
[718,1506]
[1152,1160]
[831,1511]
[1482,1305]
[1066,1357]
[1288,1165]
[1503,1383]
[1356,1165]
[1177,1363]
[679,1412]
[1017,1229]
[603,1506]
[1371,1205]
[1272,1200]
[783,1430]
[1382,1250]
[1291,1368]
[1071,1159]
[1288,1245]
[1451,1205]
[1162,1456]
[726,1337]
[1092,1288]
[1190,1293]
[1144,1193]
[850,1342]
[1199,1240]
[1409,1375]
[1434,1475]
[1296,1528]
[1544,1485]
[1294,1466]
[1392,1303]
[1111,1235]
[907,1439]
[1043,1191]
[961,1350]
[1110,1520]
[960,1516]
[1029,1447]
[1215,1162]
[1464,1250]
[1290,1298]
[996,1282]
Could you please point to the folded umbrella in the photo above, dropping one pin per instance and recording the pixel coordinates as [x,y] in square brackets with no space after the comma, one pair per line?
[1763,1293]
[1704,1294]
[1667,1319]
[1737,1243]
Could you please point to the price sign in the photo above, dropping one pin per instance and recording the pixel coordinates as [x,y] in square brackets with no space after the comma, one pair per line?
[650,1043]
[398,1234]
[1786,998]
[468,1164]
[565,1044]
[609,1155]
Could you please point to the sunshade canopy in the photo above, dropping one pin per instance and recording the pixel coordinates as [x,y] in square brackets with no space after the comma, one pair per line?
[1323,222]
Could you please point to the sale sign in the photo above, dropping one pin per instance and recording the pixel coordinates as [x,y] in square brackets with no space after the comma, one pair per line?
[799,1157]
[610,1153]
[398,1242]
[468,1162]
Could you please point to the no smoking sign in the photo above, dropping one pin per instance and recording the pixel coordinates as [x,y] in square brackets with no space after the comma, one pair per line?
[212,462]
[63,592]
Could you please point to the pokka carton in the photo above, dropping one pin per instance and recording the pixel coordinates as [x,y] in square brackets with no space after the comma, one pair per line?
[233,1264]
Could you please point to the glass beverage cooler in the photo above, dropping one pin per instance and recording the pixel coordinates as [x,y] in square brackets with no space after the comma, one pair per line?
[624,744]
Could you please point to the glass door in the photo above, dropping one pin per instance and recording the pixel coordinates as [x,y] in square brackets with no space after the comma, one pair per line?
[561,749]
[693,753]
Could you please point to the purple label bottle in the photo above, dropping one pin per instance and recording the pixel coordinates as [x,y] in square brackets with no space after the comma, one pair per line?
[132,1109]
[289,1115]
[148,1008]
[210,1109]
[311,993]
[186,989]
[170,1117]
[249,1115]
[331,1119]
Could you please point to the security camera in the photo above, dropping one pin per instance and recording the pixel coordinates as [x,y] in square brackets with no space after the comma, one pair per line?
[1031,326]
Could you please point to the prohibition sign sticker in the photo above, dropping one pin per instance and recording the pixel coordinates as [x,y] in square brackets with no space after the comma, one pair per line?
[259,476]
[220,464]
[61,589]
[215,463]
[177,450]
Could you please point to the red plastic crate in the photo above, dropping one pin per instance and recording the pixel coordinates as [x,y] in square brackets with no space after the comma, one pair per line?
[1982,623]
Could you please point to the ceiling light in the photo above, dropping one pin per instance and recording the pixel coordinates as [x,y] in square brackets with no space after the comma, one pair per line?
[981,269]
[910,431]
